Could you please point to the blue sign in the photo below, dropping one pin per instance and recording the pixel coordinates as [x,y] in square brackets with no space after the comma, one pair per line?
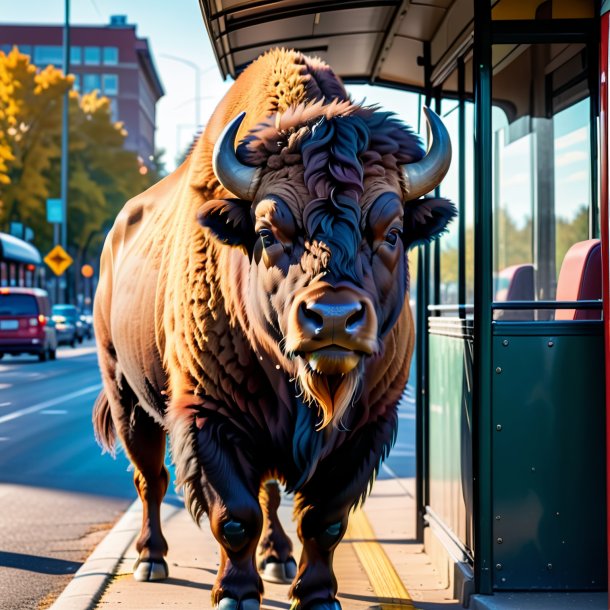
[55,211]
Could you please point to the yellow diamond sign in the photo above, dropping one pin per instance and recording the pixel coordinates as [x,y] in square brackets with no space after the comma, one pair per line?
[58,259]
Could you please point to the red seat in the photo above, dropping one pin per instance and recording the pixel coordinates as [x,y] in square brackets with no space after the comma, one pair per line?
[518,285]
[580,278]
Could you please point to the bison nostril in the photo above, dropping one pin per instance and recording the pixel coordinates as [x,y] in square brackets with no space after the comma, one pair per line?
[312,317]
[354,319]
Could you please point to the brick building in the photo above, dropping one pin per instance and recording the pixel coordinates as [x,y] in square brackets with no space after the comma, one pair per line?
[111,59]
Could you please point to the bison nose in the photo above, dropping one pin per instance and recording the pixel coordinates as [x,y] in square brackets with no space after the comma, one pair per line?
[328,317]
[323,319]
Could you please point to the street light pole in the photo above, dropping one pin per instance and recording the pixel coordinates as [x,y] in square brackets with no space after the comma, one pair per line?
[64,133]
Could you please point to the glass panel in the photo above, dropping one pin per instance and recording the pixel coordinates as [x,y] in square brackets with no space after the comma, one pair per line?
[92,56]
[111,56]
[46,54]
[6,48]
[110,84]
[450,189]
[91,82]
[543,9]
[75,55]
[76,82]
[469,207]
[542,169]
[572,149]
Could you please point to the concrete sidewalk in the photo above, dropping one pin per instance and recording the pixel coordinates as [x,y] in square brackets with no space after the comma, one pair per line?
[378,565]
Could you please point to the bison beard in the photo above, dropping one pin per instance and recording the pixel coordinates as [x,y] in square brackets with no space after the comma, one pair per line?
[332,395]
[203,278]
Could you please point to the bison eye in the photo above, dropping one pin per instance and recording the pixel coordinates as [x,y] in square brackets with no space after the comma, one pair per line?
[267,237]
[392,236]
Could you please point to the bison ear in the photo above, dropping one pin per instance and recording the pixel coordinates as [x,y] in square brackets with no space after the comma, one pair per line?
[426,219]
[229,220]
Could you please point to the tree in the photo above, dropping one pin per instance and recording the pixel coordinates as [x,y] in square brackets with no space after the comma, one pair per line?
[30,126]
[102,173]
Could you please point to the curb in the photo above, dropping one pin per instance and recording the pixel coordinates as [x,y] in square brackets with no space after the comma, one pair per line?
[85,589]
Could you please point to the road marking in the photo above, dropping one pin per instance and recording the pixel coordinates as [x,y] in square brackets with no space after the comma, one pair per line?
[53,412]
[5,404]
[50,403]
[5,386]
[3,438]
[378,567]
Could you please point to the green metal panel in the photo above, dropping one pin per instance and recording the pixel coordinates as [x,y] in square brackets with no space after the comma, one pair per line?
[450,436]
[548,457]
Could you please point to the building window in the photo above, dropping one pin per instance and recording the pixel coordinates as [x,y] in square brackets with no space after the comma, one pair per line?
[111,56]
[76,82]
[91,82]
[26,49]
[6,48]
[92,56]
[110,84]
[47,54]
[76,56]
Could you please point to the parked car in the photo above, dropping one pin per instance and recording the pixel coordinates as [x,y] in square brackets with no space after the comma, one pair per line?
[25,326]
[71,315]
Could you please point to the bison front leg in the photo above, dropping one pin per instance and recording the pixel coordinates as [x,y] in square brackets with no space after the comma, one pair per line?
[320,529]
[322,507]
[230,484]
[274,554]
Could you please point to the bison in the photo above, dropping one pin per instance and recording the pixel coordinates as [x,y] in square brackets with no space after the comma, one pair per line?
[252,306]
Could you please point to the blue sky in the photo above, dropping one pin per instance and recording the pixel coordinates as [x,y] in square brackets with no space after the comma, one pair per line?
[173,28]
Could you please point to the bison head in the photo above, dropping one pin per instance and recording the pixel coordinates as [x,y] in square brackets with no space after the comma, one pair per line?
[326,211]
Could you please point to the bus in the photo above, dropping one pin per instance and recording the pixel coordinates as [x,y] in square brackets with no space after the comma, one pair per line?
[513,304]
[20,263]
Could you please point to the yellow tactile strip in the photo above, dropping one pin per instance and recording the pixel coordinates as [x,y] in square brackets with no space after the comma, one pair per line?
[382,575]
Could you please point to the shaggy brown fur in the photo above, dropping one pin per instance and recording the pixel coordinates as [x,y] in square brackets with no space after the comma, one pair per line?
[193,332]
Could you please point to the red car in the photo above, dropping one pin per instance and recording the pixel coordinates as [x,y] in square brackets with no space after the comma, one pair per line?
[25,326]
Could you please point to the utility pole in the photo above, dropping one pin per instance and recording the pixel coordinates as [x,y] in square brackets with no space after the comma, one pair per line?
[64,136]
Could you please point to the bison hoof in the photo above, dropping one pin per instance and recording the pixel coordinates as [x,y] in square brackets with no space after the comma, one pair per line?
[228,603]
[150,569]
[279,572]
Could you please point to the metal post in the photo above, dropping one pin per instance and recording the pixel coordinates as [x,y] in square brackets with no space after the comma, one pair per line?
[64,134]
[482,466]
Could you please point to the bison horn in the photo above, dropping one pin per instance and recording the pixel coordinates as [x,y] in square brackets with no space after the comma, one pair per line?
[239,179]
[424,175]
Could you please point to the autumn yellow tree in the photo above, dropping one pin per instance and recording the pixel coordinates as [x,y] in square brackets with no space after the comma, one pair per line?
[30,125]
[102,174]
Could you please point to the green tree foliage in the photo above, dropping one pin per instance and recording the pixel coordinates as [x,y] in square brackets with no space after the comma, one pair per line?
[102,174]
[513,245]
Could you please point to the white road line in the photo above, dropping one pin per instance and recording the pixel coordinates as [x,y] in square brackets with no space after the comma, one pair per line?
[5,404]
[3,438]
[5,386]
[53,412]
[50,403]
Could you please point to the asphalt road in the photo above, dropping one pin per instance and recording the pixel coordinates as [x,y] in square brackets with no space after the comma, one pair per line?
[58,493]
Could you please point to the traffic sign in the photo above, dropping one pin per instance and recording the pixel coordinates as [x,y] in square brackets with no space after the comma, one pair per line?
[58,259]
[55,212]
